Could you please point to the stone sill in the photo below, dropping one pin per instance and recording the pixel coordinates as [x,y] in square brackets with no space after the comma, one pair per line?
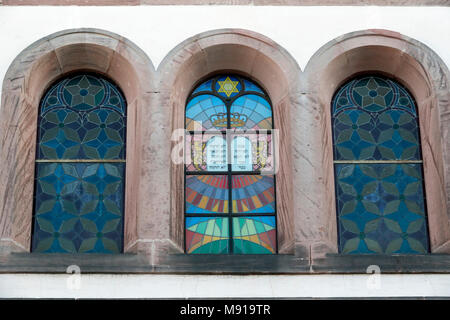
[223,264]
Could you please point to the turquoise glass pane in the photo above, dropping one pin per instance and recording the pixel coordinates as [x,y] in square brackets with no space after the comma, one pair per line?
[82,117]
[374,119]
[381,208]
[254,235]
[207,235]
[79,207]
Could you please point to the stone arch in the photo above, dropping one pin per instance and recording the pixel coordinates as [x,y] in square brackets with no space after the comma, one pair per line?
[252,55]
[425,75]
[27,79]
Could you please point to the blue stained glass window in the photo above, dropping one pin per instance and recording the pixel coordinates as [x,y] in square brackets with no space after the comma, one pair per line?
[379,182]
[80,167]
[230,206]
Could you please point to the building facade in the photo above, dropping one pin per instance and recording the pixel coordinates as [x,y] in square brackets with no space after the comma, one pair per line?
[298,149]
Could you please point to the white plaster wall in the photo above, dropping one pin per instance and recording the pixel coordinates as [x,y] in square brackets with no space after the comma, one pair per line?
[158,29]
[222,286]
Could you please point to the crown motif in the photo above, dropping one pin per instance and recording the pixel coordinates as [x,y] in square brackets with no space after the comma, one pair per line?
[236,120]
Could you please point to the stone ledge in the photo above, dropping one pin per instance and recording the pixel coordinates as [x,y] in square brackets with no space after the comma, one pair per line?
[226,2]
[223,264]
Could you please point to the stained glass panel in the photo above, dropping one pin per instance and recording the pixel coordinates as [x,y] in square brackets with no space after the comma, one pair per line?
[80,167]
[381,208]
[250,86]
[374,120]
[251,112]
[379,184]
[230,166]
[253,194]
[204,87]
[206,152]
[251,152]
[206,112]
[254,235]
[207,235]
[207,194]
[228,86]
[79,207]
[82,117]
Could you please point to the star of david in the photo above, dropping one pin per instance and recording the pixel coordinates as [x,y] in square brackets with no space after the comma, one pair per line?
[228,86]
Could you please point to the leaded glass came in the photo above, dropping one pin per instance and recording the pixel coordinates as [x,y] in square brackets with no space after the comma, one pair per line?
[378,169]
[80,167]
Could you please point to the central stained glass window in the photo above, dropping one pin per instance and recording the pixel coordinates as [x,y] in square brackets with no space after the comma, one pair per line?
[230,203]
[378,169]
[80,167]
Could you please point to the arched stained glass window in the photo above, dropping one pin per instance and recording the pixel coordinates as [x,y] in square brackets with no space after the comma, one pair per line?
[230,185]
[80,167]
[378,168]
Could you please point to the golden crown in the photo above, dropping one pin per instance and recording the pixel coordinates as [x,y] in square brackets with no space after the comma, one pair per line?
[236,120]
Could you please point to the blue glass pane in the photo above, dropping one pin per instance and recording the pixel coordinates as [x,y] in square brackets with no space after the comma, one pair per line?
[204,87]
[82,117]
[374,119]
[381,208]
[79,207]
[206,112]
[251,112]
[228,86]
[250,86]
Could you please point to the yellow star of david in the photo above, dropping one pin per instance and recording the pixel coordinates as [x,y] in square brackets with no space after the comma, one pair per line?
[228,87]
